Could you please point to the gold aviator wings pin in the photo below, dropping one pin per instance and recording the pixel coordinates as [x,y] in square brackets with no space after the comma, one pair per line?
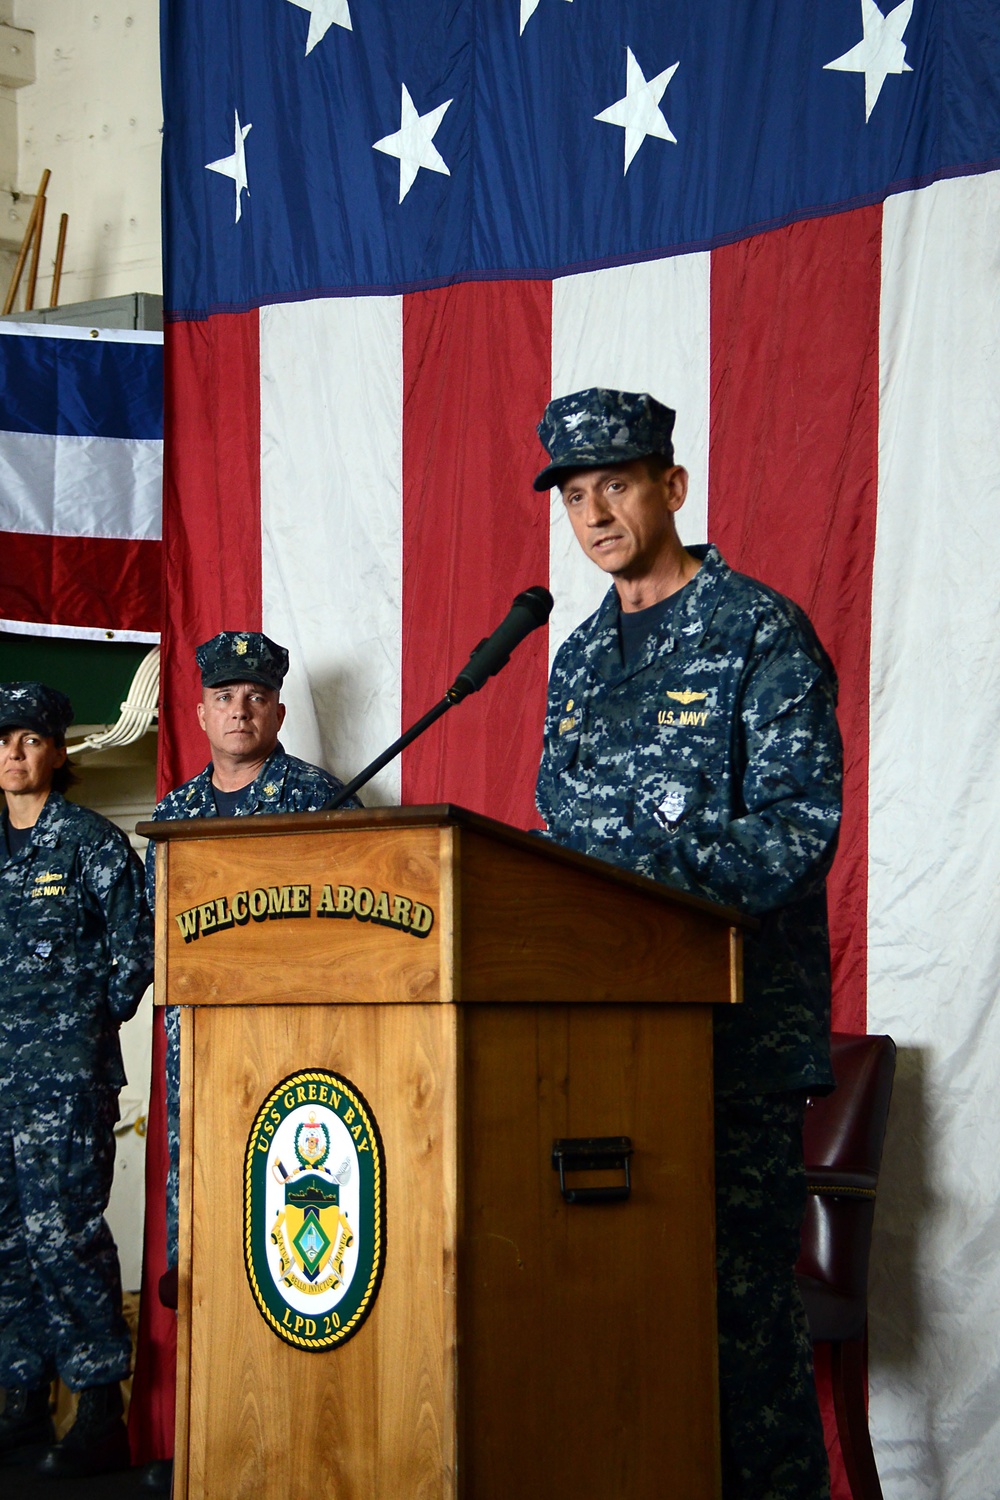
[687,696]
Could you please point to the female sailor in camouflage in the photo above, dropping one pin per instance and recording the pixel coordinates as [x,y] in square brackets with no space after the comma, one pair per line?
[76,949]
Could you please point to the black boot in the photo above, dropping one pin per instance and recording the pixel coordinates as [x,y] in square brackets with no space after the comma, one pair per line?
[97,1442]
[25,1425]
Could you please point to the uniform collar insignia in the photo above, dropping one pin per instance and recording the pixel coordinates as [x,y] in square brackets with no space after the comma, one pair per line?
[603,648]
[701,603]
[45,833]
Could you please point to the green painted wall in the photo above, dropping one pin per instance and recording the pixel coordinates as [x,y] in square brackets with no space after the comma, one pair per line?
[95,675]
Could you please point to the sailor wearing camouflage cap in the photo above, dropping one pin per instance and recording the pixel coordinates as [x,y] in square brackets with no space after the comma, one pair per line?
[76,948]
[611,454]
[242,656]
[600,426]
[241,714]
[691,736]
[241,676]
[32,705]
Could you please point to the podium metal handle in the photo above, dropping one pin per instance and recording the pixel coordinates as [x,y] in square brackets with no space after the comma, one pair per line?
[605,1153]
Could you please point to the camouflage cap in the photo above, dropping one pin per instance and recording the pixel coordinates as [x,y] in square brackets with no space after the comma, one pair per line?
[241,656]
[595,427]
[32,705]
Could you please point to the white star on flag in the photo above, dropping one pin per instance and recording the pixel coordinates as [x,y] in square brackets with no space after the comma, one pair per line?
[235,166]
[880,52]
[413,142]
[528,8]
[639,112]
[322,15]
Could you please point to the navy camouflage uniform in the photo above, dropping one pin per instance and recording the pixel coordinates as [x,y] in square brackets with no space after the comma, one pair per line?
[76,950]
[284,784]
[712,762]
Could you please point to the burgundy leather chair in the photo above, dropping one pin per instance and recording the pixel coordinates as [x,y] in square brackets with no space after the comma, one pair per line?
[843,1149]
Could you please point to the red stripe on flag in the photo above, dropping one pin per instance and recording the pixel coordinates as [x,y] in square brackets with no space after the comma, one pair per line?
[211,514]
[211,582]
[476,376]
[89,583]
[792,501]
[151,1409]
[793,477]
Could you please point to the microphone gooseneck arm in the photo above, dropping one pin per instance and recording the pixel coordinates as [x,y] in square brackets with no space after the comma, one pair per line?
[387,755]
[529,610]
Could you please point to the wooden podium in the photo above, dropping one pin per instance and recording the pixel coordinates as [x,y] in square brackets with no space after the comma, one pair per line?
[476,995]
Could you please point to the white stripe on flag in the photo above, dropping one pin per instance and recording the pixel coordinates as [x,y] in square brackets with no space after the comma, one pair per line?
[331,379]
[635,328]
[81,486]
[934,853]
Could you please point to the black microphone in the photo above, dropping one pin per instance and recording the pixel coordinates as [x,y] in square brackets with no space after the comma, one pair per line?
[529,610]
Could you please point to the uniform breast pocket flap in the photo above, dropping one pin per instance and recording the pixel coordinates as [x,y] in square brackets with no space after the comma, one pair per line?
[563,750]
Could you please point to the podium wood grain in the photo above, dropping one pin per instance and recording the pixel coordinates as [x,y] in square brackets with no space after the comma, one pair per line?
[585,1371]
[519,1345]
[504,927]
[353,962]
[371,1420]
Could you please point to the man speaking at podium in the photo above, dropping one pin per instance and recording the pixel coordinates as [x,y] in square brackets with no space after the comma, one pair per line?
[241,713]
[691,736]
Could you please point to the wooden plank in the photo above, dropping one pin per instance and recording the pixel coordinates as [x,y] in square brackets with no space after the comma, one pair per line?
[506,925]
[160,927]
[374,1418]
[526,936]
[183,1476]
[310,958]
[736,965]
[588,1357]
[449,866]
[433,816]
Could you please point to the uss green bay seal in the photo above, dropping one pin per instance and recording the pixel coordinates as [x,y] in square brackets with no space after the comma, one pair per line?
[314,1209]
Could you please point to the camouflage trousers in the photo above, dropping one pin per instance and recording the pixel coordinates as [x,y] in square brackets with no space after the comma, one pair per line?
[172,1021]
[60,1283]
[772,1435]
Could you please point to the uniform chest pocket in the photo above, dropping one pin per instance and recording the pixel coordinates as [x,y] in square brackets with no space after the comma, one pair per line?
[50,892]
[688,714]
[561,750]
[48,918]
[46,947]
[690,735]
[677,804]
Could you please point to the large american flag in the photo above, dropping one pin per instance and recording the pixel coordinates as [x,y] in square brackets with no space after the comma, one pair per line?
[394,231]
